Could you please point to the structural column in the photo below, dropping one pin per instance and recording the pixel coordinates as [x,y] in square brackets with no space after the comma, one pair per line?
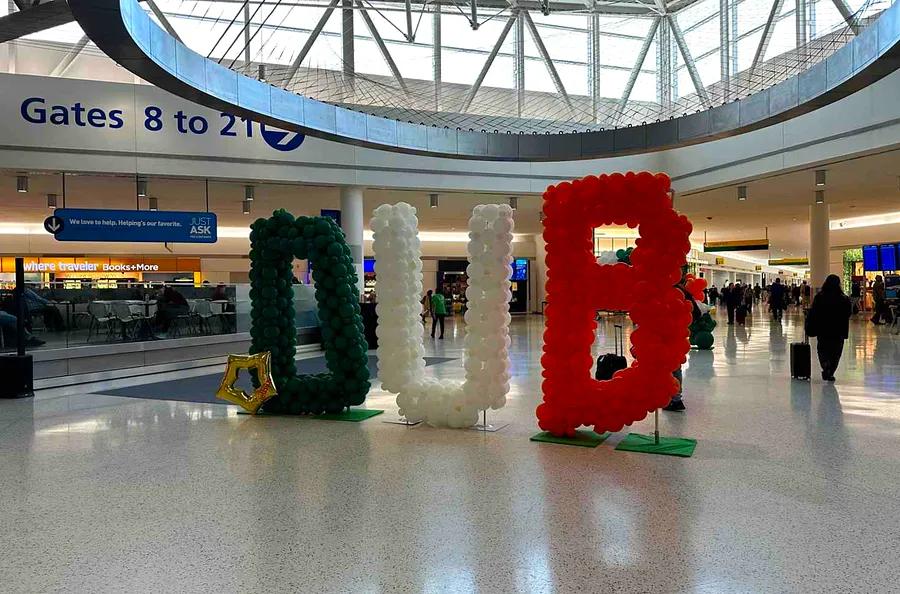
[352,224]
[819,243]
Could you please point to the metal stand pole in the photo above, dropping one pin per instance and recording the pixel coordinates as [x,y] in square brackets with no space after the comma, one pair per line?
[656,427]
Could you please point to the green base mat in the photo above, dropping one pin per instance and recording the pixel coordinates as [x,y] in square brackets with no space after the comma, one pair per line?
[583,437]
[667,446]
[354,415]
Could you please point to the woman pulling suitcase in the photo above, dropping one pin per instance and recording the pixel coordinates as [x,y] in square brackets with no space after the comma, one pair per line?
[829,321]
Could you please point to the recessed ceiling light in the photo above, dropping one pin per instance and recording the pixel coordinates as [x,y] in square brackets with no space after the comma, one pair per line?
[820,177]
[21,183]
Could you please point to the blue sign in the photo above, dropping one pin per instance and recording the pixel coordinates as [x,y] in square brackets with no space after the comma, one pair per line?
[331,214]
[519,270]
[164,226]
[281,140]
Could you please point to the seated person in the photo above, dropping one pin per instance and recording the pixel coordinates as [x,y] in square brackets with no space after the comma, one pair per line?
[170,305]
[8,327]
[35,304]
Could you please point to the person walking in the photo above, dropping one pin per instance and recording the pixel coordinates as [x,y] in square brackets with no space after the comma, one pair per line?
[438,313]
[805,294]
[427,310]
[732,301]
[878,297]
[776,299]
[855,296]
[829,321]
[748,299]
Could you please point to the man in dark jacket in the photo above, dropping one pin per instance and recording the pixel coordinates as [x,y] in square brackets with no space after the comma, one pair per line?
[829,321]
[732,300]
[776,299]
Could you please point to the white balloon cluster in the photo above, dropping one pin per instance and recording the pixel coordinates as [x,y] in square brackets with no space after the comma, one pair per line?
[401,363]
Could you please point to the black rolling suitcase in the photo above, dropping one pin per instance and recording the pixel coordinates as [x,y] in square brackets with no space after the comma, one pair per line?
[610,363]
[801,359]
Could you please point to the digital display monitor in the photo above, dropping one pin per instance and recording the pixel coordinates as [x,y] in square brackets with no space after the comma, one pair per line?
[369,265]
[888,256]
[870,258]
[519,270]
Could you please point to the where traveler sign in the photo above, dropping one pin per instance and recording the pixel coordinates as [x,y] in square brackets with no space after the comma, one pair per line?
[88,224]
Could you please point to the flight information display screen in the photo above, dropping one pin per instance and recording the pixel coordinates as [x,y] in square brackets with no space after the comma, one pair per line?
[888,257]
[870,258]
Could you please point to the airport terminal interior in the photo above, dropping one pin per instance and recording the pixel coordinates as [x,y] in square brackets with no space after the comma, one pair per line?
[449,296]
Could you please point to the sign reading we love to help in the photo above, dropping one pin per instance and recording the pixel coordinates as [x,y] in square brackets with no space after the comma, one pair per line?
[88,224]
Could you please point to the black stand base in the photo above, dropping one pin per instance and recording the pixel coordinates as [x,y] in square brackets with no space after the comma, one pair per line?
[17,372]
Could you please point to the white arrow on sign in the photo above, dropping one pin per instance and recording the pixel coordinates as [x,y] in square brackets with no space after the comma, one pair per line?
[53,224]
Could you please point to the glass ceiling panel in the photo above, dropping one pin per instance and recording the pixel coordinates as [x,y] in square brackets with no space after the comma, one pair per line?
[279,29]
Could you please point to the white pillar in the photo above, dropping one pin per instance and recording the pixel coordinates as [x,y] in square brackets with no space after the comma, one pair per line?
[819,244]
[352,224]
[540,272]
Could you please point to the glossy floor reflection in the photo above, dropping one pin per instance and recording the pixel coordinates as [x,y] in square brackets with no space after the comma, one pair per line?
[793,488]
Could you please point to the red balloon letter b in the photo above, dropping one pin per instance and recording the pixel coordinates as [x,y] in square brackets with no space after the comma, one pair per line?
[577,286]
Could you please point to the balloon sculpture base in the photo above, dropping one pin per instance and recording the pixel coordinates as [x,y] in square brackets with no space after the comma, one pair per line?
[583,437]
[354,415]
[665,446]
[487,427]
[402,421]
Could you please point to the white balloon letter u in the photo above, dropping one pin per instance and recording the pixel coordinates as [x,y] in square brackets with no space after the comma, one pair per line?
[401,354]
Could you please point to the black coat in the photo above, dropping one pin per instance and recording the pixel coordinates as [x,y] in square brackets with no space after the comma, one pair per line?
[829,316]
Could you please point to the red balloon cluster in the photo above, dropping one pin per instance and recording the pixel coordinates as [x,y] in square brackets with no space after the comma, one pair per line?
[695,286]
[577,286]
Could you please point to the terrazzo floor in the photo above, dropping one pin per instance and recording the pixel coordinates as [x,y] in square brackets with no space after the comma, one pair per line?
[793,488]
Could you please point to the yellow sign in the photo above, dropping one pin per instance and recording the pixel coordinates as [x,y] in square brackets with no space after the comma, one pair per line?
[789,262]
[758,268]
[91,264]
[720,261]
[736,245]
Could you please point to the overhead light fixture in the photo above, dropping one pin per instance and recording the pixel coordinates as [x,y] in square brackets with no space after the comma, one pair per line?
[433,198]
[820,177]
[820,196]
[245,207]
[51,200]
[513,202]
[249,193]
[742,193]
[21,183]
[141,187]
[262,73]
[152,205]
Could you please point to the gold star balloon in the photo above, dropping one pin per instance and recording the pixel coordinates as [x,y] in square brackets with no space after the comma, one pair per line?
[261,362]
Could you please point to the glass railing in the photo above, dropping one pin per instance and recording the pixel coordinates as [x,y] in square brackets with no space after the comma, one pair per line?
[60,315]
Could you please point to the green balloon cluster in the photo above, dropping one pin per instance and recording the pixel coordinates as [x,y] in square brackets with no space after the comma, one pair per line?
[274,243]
[624,255]
[701,332]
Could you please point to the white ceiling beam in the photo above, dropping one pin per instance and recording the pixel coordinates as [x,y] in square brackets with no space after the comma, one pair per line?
[689,61]
[847,14]
[63,65]
[766,36]
[314,34]
[385,54]
[548,61]
[163,20]
[636,69]
[487,64]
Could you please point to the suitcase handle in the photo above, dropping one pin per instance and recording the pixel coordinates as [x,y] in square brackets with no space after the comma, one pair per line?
[619,339]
